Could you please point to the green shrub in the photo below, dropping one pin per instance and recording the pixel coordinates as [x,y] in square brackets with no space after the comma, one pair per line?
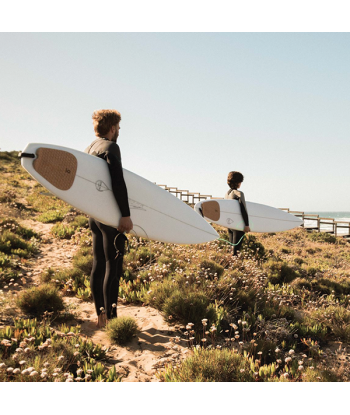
[66,231]
[319,375]
[51,216]
[285,250]
[212,267]
[5,260]
[13,244]
[159,292]
[133,291]
[301,283]
[137,257]
[280,272]
[298,260]
[189,307]
[322,237]
[313,330]
[210,366]
[50,350]
[229,292]
[14,227]
[122,329]
[80,221]
[164,260]
[83,260]
[312,271]
[327,286]
[335,318]
[62,231]
[252,246]
[71,280]
[37,300]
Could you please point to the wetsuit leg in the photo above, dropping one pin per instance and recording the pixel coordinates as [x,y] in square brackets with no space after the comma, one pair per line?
[112,239]
[234,237]
[98,266]
[238,236]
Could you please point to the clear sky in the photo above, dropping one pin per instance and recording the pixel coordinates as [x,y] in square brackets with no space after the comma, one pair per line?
[194,106]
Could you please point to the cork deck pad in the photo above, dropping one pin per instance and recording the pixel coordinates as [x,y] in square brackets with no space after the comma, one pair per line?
[211,210]
[56,166]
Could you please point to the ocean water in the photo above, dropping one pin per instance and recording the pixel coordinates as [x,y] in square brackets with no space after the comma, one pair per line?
[337,216]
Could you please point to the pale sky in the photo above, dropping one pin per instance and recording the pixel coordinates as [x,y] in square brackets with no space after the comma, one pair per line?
[194,106]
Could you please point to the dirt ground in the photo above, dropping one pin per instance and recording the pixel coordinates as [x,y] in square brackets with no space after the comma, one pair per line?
[154,345]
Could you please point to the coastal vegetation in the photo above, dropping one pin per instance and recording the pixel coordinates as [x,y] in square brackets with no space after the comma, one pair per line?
[279,312]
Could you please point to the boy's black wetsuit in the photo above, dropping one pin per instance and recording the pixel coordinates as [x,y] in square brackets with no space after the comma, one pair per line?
[107,243]
[235,236]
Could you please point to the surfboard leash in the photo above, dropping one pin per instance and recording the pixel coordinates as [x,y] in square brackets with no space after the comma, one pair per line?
[224,240]
[149,247]
[117,250]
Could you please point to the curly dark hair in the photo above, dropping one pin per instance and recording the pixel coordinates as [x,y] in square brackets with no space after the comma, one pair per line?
[104,120]
[233,178]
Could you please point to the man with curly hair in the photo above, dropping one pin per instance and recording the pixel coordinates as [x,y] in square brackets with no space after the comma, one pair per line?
[108,243]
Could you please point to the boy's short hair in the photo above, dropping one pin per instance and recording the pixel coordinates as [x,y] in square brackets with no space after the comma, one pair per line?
[233,178]
[104,120]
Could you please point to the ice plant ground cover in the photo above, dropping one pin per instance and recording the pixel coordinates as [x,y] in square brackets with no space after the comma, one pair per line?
[278,312]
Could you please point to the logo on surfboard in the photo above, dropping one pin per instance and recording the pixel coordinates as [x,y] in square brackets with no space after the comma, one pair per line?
[101,186]
[136,205]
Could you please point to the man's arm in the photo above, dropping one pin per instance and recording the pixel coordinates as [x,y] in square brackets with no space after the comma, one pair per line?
[244,212]
[120,191]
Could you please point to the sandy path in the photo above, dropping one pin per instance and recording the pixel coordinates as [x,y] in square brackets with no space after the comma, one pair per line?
[154,345]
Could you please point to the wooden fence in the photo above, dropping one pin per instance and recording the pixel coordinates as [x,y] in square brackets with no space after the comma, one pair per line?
[335,225]
[191,198]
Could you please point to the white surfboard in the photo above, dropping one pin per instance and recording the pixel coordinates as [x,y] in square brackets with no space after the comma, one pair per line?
[262,218]
[84,182]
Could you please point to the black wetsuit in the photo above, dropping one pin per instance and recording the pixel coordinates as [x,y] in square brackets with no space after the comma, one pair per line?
[235,236]
[107,243]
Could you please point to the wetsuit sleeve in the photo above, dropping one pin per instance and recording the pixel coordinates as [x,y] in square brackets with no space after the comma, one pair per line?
[243,207]
[118,184]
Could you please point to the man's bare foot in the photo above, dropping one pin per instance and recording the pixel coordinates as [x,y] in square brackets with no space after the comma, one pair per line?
[101,320]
